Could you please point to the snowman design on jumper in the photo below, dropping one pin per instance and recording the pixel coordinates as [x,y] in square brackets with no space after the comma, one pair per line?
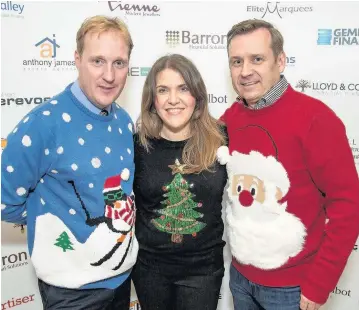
[103,248]
[119,215]
[261,232]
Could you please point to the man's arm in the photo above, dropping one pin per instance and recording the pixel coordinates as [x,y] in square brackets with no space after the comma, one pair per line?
[331,165]
[228,115]
[223,119]
[25,159]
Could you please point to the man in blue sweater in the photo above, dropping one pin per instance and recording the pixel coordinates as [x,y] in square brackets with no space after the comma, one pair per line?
[67,173]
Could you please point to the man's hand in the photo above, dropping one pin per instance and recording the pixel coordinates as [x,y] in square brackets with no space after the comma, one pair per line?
[306,304]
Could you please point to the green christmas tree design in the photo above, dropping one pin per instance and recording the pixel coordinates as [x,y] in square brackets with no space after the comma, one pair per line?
[179,215]
[63,241]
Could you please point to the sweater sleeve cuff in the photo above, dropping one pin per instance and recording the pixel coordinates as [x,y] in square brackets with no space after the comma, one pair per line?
[315,293]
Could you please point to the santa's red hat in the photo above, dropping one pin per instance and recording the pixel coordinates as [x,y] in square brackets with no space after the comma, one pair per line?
[257,157]
[114,182]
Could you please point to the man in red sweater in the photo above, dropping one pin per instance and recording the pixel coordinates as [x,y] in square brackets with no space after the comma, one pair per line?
[293,214]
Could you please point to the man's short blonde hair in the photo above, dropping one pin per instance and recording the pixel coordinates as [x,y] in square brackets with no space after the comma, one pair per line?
[99,24]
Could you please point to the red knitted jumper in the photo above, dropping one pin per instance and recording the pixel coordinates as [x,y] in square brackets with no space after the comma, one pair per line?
[309,140]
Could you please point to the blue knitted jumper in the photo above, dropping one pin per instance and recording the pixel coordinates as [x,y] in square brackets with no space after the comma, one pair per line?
[67,173]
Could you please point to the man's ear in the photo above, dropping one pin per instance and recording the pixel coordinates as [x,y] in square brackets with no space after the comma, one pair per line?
[77,57]
[281,61]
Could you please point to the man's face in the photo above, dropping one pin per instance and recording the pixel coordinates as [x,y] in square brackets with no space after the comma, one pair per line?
[103,67]
[254,69]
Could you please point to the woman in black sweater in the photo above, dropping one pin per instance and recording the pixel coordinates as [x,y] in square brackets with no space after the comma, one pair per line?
[178,191]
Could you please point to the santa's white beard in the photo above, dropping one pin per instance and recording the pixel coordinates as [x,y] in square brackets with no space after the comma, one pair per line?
[264,236]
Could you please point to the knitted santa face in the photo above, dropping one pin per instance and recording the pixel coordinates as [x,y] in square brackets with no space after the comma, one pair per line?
[261,232]
[257,182]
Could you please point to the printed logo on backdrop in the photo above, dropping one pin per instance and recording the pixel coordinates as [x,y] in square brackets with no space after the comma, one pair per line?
[354,144]
[200,41]
[3,143]
[14,260]
[291,61]
[135,305]
[17,301]
[134,9]
[338,37]
[328,88]
[341,291]
[21,227]
[278,9]
[303,84]
[216,98]
[12,9]
[46,56]
[138,71]
[48,47]
[11,100]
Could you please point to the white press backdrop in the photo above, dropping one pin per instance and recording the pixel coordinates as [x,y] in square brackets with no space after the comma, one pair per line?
[321,42]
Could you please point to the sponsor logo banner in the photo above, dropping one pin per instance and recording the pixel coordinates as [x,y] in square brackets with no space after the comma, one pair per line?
[138,71]
[135,305]
[48,57]
[12,9]
[328,87]
[354,144]
[133,9]
[340,291]
[17,301]
[196,41]
[338,37]
[10,100]
[215,98]
[14,260]
[279,9]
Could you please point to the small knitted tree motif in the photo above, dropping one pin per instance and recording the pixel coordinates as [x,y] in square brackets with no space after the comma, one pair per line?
[179,215]
[63,241]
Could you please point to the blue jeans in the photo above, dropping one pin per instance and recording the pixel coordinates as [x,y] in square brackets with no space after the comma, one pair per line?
[251,296]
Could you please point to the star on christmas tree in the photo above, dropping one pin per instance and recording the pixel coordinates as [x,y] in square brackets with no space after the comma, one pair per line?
[177,167]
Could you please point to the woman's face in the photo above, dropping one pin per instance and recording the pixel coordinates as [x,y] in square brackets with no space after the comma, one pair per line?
[174,104]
